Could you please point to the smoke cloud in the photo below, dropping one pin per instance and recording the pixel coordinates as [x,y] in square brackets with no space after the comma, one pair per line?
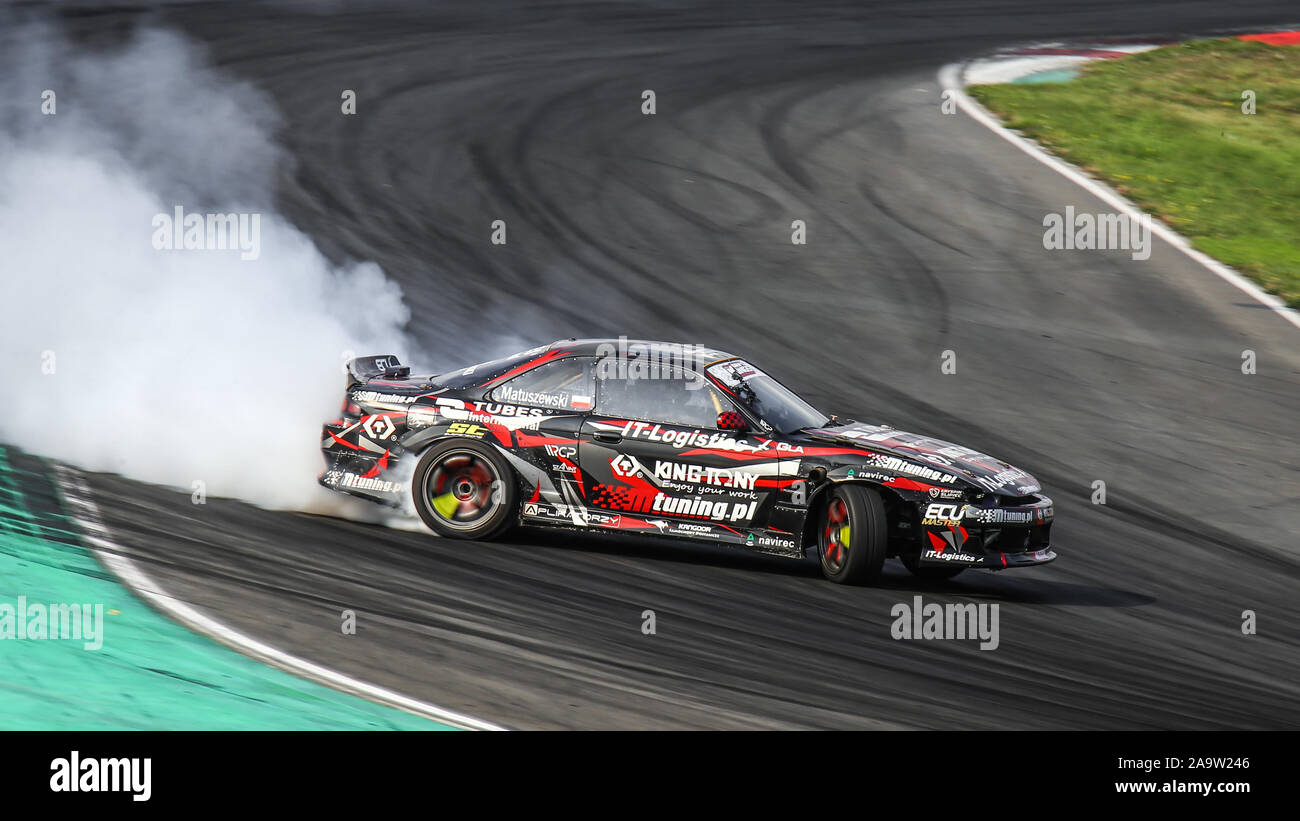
[169,366]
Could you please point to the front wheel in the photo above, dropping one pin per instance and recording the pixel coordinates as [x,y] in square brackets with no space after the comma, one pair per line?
[463,490]
[852,535]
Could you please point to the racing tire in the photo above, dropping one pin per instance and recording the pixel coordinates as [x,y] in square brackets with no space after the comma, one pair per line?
[852,535]
[462,489]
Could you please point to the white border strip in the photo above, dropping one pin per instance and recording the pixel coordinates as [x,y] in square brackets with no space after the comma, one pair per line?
[952,78]
[113,557]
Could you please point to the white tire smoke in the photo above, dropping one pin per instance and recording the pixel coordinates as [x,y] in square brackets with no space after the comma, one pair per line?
[169,366]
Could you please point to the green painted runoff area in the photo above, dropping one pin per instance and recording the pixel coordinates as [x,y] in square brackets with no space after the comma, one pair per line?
[151,673]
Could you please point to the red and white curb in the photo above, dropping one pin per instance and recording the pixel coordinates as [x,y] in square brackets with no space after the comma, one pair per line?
[1012,64]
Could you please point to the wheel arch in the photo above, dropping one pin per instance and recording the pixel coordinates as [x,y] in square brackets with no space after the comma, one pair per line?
[892,499]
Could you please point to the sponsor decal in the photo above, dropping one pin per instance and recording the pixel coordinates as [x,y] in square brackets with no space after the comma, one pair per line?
[946,493]
[522,397]
[866,434]
[498,409]
[782,447]
[679,438]
[998,516]
[943,542]
[353,481]
[690,528]
[686,529]
[942,515]
[855,473]
[378,428]
[634,501]
[466,429]
[732,372]
[686,438]
[903,466]
[945,515]
[625,466]
[704,508]
[561,451]
[1006,477]
[763,540]
[421,416]
[951,556]
[511,417]
[734,482]
[544,511]
[703,475]
[373,398]
[595,517]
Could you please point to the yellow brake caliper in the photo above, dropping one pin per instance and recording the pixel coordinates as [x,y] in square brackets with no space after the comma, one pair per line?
[446,504]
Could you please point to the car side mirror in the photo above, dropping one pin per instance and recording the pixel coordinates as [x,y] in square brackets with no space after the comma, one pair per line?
[730,420]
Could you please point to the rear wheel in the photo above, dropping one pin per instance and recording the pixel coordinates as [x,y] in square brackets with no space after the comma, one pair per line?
[463,490]
[851,536]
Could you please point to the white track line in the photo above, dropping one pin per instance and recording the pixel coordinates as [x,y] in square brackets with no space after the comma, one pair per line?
[114,557]
[952,78]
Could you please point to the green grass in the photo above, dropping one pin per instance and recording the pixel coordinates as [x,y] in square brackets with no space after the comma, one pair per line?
[1166,128]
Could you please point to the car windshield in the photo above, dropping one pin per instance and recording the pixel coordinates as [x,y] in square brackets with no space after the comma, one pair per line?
[770,400]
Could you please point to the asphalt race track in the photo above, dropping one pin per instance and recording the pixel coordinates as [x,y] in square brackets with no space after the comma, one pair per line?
[924,235]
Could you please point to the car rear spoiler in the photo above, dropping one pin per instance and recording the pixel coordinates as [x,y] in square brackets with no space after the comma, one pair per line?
[364,368]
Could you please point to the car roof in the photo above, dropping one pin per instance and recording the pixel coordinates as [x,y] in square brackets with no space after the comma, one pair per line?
[486,374]
[689,354]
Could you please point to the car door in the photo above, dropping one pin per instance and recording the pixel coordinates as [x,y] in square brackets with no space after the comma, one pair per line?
[543,408]
[652,451]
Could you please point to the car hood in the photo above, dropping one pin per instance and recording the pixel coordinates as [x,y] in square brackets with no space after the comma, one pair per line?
[978,469]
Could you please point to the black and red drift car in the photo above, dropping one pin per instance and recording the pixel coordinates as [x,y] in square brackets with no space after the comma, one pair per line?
[674,440]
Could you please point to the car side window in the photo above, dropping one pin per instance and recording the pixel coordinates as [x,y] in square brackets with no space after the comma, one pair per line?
[682,399]
[565,384]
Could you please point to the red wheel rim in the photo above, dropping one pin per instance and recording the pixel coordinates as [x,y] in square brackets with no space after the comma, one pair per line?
[836,534]
[460,489]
